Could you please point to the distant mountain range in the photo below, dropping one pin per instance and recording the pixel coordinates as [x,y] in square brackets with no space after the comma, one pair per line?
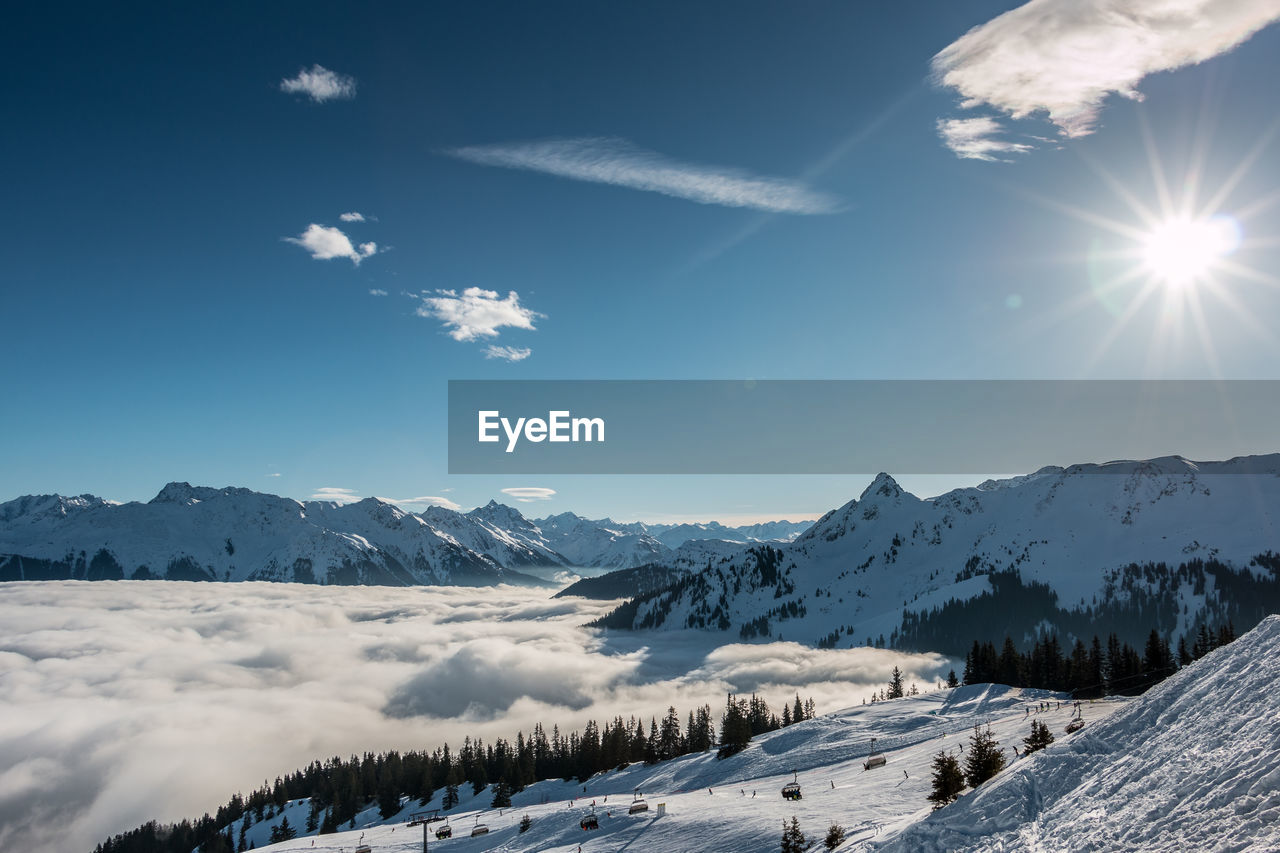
[1126,547]
[234,534]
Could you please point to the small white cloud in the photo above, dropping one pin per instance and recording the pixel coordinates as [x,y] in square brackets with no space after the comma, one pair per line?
[529,494]
[1064,58]
[325,243]
[477,313]
[335,494]
[618,162]
[320,85]
[975,139]
[274,474]
[377,291]
[353,216]
[508,353]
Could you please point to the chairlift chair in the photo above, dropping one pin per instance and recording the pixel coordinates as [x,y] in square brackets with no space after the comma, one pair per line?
[1075,725]
[638,805]
[590,821]
[791,790]
[874,760]
[479,828]
[445,831]
[364,848]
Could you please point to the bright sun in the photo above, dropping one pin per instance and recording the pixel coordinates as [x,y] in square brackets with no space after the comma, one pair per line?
[1181,251]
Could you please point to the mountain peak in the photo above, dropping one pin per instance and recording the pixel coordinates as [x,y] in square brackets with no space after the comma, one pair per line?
[883,486]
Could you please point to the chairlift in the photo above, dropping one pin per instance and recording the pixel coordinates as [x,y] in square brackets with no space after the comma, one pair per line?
[479,828]
[364,848]
[875,759]
[791,790]
[590,821]
[1075,725]
[445,831]
[638,804]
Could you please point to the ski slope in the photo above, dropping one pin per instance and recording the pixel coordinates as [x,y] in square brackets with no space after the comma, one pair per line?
[732,805]
[1194,764]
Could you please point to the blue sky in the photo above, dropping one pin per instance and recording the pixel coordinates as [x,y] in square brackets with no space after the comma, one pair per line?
[812,219]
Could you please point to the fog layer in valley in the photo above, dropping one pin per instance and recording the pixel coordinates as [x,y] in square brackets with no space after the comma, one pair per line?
[131,700]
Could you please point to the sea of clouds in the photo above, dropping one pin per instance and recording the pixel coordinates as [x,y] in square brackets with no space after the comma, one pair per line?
[126,701]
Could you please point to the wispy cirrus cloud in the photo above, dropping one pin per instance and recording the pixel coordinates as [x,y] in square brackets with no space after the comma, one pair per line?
[335,494]
[353,216]
[977,138]
[617,162]
[529,494]
[476,312]
[507,353]
[326,243]
[1062,59]
[320,84]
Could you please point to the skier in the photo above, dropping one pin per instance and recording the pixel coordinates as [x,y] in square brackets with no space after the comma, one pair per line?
[833,786]
[904,775]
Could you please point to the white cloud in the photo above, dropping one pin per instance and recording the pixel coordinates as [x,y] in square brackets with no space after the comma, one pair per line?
[353,216]
[274,474]
[430,500]
[335,494]
[975,138]
[377,291]
[114,691]
[618,162]
[508,353]
[325,243]
[529,494]
[1063,58]
[320,84]
[477,313]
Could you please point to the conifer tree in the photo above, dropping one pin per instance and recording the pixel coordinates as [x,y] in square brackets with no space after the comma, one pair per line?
[948,779]
[1039,738]
[895,684]
[983,759]
[793,840]
[952,681]
[835,836]
[501,795]
[525,823]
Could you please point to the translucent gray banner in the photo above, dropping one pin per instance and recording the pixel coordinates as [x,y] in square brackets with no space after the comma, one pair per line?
[849,426]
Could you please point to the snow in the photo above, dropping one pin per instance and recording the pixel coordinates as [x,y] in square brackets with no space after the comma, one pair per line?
[1194,764]
[709,803]
[1068,528]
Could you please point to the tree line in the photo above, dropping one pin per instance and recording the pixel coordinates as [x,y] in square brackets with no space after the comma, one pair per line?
[1089,670]
[340,789]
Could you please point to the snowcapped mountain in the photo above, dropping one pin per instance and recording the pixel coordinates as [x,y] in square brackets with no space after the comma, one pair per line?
[675,535]
[200,533]
[1123,547]
[601,544]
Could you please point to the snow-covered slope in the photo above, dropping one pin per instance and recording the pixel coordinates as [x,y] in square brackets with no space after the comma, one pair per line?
[600,544]
[199,533]
[1194,764]
[675,535]
[1126,546]
[731,805]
